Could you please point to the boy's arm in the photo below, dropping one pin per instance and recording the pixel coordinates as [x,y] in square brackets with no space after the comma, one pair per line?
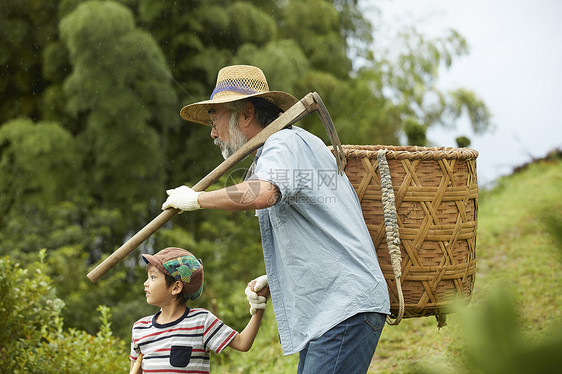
[244,340]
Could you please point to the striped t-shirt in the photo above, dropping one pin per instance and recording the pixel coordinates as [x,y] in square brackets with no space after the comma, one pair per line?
[182,346]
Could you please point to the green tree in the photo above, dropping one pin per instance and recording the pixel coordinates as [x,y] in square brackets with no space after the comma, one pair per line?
[27,27]
[120,90]
[462,141]
[36,160]
[77,188]
[402,88]
[415,133]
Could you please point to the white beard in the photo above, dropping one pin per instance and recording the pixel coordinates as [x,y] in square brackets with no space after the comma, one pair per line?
[237,139]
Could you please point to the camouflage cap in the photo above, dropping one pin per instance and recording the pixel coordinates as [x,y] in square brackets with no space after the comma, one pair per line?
[183,266]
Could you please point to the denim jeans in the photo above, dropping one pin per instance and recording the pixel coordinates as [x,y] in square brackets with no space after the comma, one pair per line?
[347,348]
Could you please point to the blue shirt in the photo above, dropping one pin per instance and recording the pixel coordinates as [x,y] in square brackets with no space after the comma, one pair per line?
[320,260]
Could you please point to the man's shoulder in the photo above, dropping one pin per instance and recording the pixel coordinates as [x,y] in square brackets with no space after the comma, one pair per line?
[292,137]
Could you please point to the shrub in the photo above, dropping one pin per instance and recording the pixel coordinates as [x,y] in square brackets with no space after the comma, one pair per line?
[33,339]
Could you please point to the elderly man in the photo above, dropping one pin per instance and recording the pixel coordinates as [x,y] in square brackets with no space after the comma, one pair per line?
[328,292]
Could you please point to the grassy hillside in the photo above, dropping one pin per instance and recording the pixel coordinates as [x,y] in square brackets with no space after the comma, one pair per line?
[517,299]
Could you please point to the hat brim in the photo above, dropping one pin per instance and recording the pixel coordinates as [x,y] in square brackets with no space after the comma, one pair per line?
[150,259]
[199,112]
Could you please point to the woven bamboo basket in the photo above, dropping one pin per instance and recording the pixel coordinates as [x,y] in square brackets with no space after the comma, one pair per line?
[436,200]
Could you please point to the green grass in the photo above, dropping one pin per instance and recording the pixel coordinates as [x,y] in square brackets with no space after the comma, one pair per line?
[514,249]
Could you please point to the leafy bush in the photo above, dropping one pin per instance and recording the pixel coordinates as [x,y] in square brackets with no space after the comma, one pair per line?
[462,141]
[33,339]
[495,341]
[415,132]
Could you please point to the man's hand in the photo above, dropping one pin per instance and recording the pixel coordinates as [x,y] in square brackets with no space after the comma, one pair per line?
[257,293]
[182,198]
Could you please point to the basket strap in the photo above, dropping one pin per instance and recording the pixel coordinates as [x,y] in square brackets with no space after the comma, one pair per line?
[391,227]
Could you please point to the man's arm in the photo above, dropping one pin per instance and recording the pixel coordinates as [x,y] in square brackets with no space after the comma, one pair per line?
[247,195]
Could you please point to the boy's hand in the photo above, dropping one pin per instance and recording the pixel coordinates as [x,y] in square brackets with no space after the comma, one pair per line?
[257,293]
[264,291]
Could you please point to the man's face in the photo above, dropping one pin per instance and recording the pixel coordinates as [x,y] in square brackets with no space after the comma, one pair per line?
[225,131]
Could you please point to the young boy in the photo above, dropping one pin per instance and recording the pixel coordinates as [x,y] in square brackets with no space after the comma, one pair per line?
[179,339]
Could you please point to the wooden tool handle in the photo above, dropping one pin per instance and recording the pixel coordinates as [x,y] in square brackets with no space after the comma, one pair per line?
[136,367]
[290,116]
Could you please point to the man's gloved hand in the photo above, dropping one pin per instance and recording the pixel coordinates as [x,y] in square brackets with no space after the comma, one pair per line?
[182,198]
[256,301]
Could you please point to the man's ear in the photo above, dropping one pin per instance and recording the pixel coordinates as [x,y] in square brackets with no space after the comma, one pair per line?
[249,112]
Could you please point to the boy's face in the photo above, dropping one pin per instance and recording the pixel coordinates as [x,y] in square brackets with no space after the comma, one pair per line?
[157,293]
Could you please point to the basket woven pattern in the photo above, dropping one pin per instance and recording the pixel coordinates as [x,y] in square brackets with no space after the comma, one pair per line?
[436,193]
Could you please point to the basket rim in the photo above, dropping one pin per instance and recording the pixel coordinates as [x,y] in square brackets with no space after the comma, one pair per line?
[409,152]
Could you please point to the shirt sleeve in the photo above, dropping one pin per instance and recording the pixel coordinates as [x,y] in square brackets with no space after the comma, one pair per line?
[217,335]
[279,165]
[135,351]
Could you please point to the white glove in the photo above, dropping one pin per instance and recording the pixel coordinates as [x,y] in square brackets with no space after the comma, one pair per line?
[257,302]
[182,198]
[261,282]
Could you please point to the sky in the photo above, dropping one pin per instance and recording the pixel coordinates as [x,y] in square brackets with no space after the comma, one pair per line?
[514,66]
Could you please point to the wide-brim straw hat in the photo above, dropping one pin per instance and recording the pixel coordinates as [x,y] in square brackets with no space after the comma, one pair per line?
[237,82]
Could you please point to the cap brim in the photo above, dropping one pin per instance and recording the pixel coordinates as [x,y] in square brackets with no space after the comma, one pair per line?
[150,259]
[199,112]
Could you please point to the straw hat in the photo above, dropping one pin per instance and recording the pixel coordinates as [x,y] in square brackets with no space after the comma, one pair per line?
[235,83]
